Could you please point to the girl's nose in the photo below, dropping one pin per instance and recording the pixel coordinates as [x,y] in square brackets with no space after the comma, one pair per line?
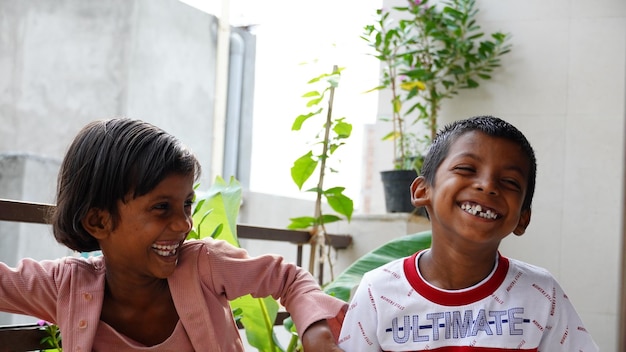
[182,222]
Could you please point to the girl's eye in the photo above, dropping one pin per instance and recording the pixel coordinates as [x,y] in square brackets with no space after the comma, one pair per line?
[464,168]
[162,206]
[189,202]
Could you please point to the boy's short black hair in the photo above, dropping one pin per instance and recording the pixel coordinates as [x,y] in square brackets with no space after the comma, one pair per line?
[489,125]
[110,160]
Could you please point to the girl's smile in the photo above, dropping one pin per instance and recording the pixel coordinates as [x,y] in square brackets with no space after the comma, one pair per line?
[146,240]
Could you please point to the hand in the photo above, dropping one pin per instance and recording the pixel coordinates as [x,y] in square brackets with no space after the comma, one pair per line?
[319,338]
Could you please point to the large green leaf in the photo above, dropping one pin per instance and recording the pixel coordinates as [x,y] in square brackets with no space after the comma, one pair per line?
[259,327]
[303,168]
[218,210]
[400,247]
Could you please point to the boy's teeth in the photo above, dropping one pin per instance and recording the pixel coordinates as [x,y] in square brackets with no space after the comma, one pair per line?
[477,210]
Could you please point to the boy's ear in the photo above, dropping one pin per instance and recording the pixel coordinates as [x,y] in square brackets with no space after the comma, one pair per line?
[420,192]
[523,222]
[97,222]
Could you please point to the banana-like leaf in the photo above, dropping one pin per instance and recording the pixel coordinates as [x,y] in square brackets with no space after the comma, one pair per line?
[259,327]
[219,207]
[400,247]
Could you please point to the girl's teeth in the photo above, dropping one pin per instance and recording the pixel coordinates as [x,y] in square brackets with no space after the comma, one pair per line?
[165,250]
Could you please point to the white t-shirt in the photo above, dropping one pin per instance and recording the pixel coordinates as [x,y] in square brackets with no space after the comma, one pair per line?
[517,307]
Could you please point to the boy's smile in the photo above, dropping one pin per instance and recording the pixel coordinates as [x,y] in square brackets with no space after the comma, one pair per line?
[477,210]
[478,191]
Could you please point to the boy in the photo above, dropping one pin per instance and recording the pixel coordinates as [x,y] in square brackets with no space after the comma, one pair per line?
[477,185]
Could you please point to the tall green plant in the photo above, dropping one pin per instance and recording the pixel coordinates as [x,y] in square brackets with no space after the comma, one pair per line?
[331,136]
[429,52]
[215,216]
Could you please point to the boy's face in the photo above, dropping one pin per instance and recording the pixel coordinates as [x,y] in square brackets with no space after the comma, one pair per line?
[479,188]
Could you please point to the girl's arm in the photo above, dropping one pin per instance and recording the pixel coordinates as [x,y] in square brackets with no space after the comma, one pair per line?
[234,274]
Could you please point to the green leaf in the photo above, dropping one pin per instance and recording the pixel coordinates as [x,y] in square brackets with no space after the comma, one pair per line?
[258,315]
[303,168]
[341,204]
[328,218]
[314,102]
[297,123]
[311,94]
[400,247]
[302,222]
[471,83]
[343,129]
[221,207]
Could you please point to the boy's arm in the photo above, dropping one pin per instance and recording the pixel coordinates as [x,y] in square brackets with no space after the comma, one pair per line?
[319,337]
[360,326]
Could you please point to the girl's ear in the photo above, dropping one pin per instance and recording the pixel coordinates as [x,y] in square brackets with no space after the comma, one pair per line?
[523,222]
[420,192]
[97,222]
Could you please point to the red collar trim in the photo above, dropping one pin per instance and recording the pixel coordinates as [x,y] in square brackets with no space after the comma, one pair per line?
[448,298]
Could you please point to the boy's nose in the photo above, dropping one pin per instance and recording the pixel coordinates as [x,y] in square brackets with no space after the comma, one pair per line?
[487,184]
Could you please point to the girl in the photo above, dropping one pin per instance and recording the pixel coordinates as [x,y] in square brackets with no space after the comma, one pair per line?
[126,188]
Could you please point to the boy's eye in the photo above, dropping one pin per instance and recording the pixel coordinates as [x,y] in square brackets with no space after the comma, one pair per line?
[513,183]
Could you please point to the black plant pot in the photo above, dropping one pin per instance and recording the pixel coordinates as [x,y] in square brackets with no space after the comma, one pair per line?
[397,189]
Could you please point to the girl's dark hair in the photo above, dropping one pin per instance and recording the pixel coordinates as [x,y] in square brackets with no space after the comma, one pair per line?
[489,125]
[107,161]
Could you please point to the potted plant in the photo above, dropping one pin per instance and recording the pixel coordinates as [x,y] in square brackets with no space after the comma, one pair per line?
[428,52]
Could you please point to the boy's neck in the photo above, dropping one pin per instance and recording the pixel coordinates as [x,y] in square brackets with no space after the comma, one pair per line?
[451,270]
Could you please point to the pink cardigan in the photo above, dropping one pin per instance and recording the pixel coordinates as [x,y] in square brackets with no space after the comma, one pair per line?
[69,292]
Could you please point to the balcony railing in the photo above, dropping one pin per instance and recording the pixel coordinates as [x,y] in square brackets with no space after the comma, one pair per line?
[28,337]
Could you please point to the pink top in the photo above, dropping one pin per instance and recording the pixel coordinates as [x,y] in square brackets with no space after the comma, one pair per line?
[69,292]
[111,340]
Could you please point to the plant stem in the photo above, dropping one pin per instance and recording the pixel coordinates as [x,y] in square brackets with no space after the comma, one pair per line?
[320,187]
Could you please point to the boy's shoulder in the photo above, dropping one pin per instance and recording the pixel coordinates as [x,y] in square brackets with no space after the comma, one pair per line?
[395,268]
[528,269]
[523,274]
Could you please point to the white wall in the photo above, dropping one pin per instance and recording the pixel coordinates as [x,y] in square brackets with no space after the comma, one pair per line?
[563,85]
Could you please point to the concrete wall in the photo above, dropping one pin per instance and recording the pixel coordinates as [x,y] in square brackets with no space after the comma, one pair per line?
[65,63]
[563,85]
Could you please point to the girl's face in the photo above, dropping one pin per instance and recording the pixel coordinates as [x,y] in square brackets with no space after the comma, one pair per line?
[478,191]
[150,230]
